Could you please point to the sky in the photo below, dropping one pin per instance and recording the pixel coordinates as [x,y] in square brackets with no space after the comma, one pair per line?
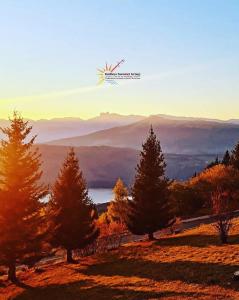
[187,52]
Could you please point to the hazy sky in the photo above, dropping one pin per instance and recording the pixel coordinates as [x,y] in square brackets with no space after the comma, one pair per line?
[186,51]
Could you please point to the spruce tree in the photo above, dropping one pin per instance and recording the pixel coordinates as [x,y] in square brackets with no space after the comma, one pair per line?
[149,209]
[213,163]
[226,158]
[73,212]
[21,210]
[118,206]
[234,161]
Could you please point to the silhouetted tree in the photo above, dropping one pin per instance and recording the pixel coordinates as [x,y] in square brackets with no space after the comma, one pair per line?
[117,209]
[73,213]
[21,210]
[149,209]
[234,161]
[194,174]
[213,163]
[226,158]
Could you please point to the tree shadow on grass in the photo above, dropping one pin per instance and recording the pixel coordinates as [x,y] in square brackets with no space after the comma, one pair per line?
[197,240]
[18,283]
[86,291]
[23,285]
[186,271]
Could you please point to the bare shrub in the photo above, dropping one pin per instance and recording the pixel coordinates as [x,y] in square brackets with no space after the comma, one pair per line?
[223,215]
[111,236]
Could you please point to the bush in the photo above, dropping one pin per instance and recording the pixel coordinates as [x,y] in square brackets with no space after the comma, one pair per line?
[111,235]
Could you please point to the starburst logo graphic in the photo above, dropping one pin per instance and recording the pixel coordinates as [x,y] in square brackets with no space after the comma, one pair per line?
[108,69]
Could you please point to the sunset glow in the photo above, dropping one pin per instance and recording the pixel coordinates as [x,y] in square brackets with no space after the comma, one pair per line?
[186,53]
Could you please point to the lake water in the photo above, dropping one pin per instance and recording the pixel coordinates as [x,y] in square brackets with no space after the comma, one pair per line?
[101,195]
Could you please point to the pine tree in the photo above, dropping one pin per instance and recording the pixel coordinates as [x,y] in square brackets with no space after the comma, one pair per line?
[234,161]
[21,210]
[73,213]
[226,158]
[194,174]
[118,206]
[149,209]
[213,163]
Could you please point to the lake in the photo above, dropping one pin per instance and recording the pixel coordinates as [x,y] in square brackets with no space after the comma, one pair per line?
[100,195]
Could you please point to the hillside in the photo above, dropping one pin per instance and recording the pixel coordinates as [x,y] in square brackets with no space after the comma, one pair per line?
[177,135]
[103,165]
[191,265]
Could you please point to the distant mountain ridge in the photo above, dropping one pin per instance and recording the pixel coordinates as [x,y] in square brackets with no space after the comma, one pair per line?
[58,128]
[177,135]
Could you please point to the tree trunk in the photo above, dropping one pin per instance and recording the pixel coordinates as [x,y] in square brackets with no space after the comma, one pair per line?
[223,232]
[223,237]
[69,256]
[151,236]
[12,272]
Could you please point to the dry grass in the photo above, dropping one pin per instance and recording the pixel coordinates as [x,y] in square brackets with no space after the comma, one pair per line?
[192,265]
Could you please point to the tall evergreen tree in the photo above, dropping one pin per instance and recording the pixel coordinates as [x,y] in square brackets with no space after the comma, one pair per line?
[226,158]
[73,213]
[20,194]
[234,160]
[149,208]
[118,206]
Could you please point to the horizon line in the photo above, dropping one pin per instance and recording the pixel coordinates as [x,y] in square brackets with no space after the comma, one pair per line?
[126,115]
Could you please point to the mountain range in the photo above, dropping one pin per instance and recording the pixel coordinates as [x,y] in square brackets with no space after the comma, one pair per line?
[108,145]
[58,128]
[177,135]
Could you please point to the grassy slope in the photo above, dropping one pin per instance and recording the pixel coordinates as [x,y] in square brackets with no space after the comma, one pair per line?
[192,265]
